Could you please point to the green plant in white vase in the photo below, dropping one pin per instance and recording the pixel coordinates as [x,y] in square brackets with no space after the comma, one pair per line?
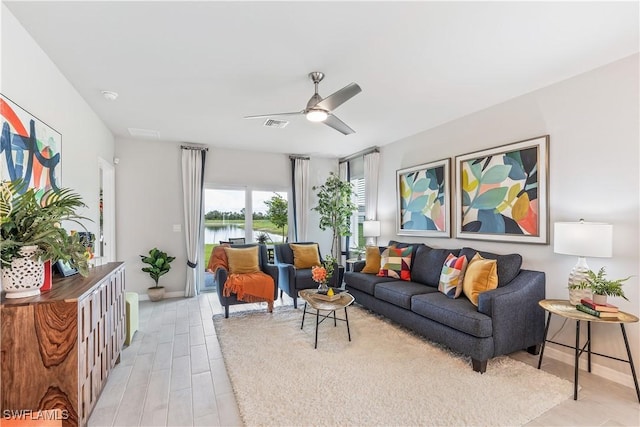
[31,233]
[601,287]
[159,265]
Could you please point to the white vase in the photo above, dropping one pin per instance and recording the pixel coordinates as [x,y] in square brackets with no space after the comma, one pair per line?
[26,275]
[575,295]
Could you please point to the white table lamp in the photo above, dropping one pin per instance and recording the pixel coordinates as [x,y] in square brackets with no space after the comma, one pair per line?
[371,229]
[583,239]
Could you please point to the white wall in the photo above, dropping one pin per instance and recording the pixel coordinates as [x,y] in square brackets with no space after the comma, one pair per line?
[149,194]
[32,80]
[593,123]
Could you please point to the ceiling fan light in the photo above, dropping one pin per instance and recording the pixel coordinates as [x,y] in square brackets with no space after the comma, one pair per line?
[317,115]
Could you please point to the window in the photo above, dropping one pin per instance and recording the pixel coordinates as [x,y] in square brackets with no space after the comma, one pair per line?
[225,217]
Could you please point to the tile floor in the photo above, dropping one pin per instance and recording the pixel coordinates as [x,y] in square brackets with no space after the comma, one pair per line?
[173,374]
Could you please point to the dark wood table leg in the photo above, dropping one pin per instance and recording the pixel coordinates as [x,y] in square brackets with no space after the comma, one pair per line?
[633,369]
[303,313]
[317,323]
[544,340]
[577,359]
[589,346]
[346,318]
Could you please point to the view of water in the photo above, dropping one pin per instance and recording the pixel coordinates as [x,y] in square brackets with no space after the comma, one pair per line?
[217,233]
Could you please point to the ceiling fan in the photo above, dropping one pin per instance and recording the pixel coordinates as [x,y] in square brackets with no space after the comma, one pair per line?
[320,109]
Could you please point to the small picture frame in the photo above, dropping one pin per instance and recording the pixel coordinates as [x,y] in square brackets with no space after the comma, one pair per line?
[64,269]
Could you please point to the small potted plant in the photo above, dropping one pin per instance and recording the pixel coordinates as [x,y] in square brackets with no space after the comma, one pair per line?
[601,287]
[159,265]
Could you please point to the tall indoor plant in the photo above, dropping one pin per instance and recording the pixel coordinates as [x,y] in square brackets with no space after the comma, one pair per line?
[159,265]
[335,206]
[31,233]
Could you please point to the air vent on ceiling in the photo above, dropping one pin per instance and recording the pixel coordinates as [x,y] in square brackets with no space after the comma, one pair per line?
[144,133]
[275,123]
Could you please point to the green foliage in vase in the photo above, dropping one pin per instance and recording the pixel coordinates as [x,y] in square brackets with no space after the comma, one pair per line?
[335,207]
[30,219]
[159,264]
[601,286]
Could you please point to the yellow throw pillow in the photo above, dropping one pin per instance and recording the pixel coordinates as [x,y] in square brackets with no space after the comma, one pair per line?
[372,260]
[305,256]
[481,276]
[242,260]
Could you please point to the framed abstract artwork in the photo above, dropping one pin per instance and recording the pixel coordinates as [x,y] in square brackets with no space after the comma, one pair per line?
[501,193]
[29,148]
[424,200]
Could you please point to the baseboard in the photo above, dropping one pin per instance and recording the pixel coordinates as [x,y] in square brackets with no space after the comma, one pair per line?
[174,294]
[596,369]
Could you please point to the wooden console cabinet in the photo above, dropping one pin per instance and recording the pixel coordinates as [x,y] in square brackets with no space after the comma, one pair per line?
[59,347]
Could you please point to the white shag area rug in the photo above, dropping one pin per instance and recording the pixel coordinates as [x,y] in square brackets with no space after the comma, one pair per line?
[385,376]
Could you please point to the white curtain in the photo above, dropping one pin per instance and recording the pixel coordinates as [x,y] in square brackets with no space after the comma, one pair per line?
[343,172]
[371,167]
[193,159]
[301,203]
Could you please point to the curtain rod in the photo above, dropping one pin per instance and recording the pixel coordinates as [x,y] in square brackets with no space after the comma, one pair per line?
[193,147]
[359,153]
[293,156]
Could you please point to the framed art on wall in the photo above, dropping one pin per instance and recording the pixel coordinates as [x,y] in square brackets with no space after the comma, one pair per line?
[29,148]
[423,200]
[501,193]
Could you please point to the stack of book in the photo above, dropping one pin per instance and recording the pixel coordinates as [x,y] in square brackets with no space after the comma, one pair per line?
[607,311]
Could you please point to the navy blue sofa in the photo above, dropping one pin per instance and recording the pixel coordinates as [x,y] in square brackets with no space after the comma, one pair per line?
[507,319]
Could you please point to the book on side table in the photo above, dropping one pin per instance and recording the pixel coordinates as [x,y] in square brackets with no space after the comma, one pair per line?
[600,314]
[600,307]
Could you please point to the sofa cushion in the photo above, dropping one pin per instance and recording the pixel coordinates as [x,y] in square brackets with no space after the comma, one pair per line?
[242,261]
[305,256]
[452,275]
[481,276]
[427,264]
[396,262]
[364,282]
[508,265]
[459,313]
[400,292]
[372,260]
[304,279]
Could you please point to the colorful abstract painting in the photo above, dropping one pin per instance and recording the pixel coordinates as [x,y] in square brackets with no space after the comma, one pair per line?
[424,200]
[501,193]
[29,149]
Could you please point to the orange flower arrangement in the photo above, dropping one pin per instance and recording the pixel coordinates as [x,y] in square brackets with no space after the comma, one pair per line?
[319,274]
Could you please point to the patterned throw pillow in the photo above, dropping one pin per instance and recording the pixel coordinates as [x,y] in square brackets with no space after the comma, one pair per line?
[396,262]
[452,275]
[481,276]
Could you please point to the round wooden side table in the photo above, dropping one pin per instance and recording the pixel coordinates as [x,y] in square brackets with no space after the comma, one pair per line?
[566,310]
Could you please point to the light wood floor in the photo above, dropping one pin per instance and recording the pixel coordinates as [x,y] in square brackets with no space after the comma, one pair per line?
[173,374]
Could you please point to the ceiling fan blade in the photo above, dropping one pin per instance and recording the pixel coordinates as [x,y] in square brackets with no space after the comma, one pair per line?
[338,98]
[263,116]
[337,124]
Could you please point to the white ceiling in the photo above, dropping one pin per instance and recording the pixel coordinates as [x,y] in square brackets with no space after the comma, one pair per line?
[192,70]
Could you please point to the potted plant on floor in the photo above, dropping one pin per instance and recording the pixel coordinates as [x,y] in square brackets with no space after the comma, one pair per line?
[601,287]
[159,265]
[31,233]
[335,207]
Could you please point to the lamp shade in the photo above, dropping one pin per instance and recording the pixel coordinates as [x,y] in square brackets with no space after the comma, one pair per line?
[583,239]
[371,228]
